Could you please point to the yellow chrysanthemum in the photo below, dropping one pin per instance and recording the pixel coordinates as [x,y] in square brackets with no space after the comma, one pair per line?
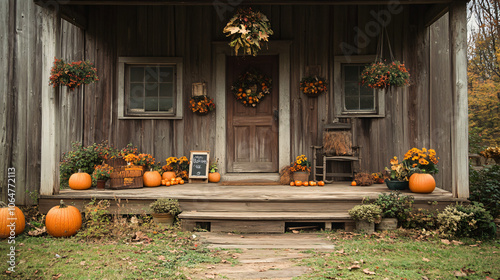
[423,161]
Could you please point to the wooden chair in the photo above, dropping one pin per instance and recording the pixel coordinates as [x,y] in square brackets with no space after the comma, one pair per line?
[326,154]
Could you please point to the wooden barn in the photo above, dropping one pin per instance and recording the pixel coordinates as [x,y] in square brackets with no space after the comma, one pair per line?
[184,40]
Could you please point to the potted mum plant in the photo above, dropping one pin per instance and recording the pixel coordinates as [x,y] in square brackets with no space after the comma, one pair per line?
[213,175]
[366,216]
[300,168]
[101,174]
[395,208]
[165,210]
[423,164]
[72,74]
[398,175]
[381,75]
[201,104]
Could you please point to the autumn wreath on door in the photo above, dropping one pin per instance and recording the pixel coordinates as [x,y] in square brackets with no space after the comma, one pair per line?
[251,87]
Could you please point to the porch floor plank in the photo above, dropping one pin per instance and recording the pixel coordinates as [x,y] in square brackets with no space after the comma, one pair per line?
[265,216]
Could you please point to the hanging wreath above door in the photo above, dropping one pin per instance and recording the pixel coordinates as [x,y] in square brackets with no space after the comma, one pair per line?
[248,30]
[251,87]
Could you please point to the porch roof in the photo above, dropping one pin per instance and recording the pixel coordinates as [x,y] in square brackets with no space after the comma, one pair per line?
[250,2]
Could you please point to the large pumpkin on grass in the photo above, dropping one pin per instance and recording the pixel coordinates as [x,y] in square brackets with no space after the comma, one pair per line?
[80,181]
[11,219]
[63,220]
[151,178]
[422,183]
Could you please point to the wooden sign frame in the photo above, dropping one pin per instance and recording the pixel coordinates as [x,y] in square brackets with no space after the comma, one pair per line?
[198,179]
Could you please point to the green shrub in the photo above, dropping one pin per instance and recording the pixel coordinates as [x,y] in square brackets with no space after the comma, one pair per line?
[84,158]
[421,219]
[485,188]
[367,212]
[166,205]
[467,221]
[395,205]
[97,222]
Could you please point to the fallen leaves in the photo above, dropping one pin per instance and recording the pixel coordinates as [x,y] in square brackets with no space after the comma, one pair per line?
[426,260]
[37,231]
[367,271]
[463,272]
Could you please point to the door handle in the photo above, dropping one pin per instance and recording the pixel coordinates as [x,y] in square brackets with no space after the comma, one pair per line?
[276,115]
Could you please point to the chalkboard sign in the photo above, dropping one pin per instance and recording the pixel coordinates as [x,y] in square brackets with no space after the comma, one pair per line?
[198,164]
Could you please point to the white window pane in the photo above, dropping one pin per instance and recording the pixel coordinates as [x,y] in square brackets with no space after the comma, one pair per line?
[151,104]
[166,74]
[136,100]
[151,90]
[151,74]
[136,74]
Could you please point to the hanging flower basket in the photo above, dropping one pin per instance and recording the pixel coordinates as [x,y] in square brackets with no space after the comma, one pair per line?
[72,74]
[313,86]
[201,104]
[380,75]
[248,29]
[251,87]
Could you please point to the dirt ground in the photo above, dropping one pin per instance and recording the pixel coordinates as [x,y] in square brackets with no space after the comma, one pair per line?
[260,256]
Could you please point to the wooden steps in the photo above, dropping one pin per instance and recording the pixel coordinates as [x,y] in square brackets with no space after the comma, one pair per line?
[262,222]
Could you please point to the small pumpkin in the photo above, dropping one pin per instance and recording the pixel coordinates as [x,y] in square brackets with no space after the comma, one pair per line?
[7,217]
[181,182]
[80,180]
[321,183]
[298,183]
[422,183]
[353,183]
[167,183]
[151,178]
[292,184]
[168,175]
[63,220]
[214,177]
[312,183]
[305,184]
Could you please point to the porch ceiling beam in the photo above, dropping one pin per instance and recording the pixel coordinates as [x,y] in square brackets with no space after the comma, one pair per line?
[460,141]
[434,13]
[247,2]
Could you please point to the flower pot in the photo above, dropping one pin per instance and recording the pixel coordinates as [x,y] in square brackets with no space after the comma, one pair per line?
[422,183]
[396,185]
[101,184]
[301,176]
[163,218]
[168,175]
[387,224]
[214,177]
[365,226]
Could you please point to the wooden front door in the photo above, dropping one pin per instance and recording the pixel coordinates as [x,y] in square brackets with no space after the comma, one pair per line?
[252,132]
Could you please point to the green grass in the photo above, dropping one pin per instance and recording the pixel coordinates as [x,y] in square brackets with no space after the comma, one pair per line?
[166,257]
[400,257]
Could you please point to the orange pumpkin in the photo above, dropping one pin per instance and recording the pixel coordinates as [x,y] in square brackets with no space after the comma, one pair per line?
[9,215]
[353,183]
[167,183]
[80,181]
[321,183]
[63,220]
[181,182]
[292,184]
[178,179]
[151,179]
[298,183]
[305,184]
[214,177]
[422,183]
[312,183]
[168,175]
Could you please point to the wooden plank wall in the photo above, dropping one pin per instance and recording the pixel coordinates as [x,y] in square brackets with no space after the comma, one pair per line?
[412,114]
[20,108]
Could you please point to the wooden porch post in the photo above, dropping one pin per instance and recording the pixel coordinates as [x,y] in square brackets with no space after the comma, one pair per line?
[50,154]
[460,140]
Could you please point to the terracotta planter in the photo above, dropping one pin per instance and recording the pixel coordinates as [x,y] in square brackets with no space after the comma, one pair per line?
[301,176]
[168,175]
[214,177]
[387,224]
[422,183]
[397,185]
[101,184]
[365,226]
[163,218]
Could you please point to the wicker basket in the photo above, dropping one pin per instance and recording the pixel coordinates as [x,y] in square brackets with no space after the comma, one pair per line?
[126,177]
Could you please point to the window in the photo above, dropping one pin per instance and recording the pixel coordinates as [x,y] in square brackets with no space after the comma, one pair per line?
[350,97]
[150,88]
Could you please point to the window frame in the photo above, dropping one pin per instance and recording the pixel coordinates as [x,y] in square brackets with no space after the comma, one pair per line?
[339,95]
[123,62]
